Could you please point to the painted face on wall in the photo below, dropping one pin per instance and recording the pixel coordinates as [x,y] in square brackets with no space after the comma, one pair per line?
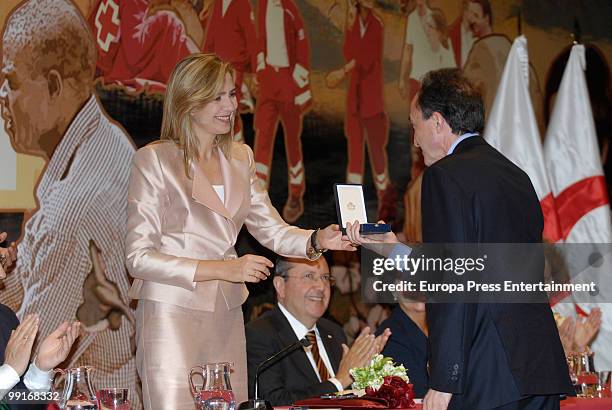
[25,101]
[479,22]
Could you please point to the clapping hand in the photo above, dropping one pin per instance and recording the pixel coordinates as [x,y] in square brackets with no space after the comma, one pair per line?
[19,347]
[365,347]
[567,331]
[8,256]
[586,329]
[381,340]
[55,348]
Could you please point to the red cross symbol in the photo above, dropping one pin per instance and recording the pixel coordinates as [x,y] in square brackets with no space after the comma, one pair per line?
[107,23]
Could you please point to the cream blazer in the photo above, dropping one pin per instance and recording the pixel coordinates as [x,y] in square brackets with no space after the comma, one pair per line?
[173,222]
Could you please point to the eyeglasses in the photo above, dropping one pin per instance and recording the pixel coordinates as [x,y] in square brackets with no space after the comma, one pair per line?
[309,277]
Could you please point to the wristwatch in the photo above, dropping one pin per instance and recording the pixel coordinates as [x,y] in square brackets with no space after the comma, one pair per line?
[314,252]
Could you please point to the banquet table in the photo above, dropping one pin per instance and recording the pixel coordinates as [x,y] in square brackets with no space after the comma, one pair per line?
[575,403]
[571,403]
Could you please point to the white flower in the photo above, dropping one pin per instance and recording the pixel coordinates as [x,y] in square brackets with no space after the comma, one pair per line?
[374,373]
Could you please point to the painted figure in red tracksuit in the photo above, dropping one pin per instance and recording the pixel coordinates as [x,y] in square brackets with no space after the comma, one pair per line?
[135,46]
[230,34]
[284,93]
[366,119]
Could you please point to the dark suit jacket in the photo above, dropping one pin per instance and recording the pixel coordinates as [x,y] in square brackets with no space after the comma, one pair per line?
[9,322]
[488,354]
[407,346]
[292,378]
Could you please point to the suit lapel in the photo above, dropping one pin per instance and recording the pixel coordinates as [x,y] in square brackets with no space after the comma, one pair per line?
[234,184]
[298,357]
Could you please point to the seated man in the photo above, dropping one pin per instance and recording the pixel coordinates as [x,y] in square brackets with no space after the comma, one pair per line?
[303,292]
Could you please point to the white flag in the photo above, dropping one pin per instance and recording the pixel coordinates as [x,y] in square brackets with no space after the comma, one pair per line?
[573,161]
[578,184]
[512,129]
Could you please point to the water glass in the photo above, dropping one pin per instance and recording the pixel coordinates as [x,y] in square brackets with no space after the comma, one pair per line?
[603,383]
[113,399]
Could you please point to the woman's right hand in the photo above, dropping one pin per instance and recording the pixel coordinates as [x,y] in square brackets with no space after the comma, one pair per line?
[248,268]
[19,346]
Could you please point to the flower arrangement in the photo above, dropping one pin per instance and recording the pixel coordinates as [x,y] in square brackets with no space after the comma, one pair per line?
[383,379]
[374,373]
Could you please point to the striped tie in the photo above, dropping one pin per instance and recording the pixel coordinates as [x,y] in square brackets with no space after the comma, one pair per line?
[312,338]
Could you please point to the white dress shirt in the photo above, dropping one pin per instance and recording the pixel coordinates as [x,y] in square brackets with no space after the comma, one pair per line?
[276,46]
[34,379]
[220,190]
[300,332]
[458,140]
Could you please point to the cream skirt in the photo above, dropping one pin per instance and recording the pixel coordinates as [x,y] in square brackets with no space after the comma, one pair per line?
[172,339]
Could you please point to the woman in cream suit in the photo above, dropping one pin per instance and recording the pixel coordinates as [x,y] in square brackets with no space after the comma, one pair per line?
[190,194]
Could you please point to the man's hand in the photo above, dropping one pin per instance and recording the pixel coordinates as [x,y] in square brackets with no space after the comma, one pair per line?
[381,340]
[567,331]
[8,256]
[354,237]
[586,329]
[360,354]
[331,238]
[19,346]
[436,400]
[55,348]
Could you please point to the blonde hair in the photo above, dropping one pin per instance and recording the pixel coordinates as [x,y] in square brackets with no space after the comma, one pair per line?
[195,81]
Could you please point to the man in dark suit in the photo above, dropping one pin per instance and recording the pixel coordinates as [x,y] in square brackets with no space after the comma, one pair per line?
[303,292]
[482,356]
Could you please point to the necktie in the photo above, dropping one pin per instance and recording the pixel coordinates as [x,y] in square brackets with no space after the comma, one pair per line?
[312,338]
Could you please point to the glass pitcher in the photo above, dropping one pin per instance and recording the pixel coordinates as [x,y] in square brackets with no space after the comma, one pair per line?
[78,393]
[215,393]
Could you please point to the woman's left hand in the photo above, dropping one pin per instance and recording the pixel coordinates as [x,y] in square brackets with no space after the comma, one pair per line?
[55,348]
[331,238]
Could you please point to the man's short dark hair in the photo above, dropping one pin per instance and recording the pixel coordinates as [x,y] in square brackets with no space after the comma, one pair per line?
[449,93]
[283,264]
